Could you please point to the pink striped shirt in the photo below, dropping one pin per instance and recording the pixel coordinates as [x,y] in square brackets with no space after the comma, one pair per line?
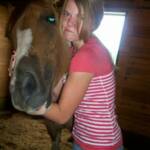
[95,125]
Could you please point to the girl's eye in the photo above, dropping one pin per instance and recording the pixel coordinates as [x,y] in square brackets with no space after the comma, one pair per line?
[51,19]
[66,14]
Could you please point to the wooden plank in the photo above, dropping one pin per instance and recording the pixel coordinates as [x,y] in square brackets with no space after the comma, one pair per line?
[138,17]
[130,119]
[133,75]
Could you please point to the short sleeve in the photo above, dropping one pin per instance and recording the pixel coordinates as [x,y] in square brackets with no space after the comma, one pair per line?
[84,61]
[92,58]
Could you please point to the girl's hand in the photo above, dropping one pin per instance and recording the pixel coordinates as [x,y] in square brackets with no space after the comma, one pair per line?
[12,64]
[58,88]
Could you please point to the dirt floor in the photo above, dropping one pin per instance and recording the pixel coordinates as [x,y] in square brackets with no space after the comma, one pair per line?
[19,131]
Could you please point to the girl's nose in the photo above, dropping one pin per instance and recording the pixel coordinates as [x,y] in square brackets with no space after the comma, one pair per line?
[72,21]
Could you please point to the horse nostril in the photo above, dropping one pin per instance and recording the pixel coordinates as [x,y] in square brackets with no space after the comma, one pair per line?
[28,85]
[31,89]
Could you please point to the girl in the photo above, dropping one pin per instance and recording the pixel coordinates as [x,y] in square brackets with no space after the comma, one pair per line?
[89,91]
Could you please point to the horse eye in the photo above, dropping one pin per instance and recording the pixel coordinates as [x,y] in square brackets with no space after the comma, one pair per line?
[51,19]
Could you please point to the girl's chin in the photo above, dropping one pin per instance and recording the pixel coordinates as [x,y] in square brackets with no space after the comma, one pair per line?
[70,38]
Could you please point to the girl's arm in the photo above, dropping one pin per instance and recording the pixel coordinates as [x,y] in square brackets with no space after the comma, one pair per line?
[71,96]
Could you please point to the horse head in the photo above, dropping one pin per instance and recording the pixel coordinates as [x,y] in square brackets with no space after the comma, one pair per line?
[41,55]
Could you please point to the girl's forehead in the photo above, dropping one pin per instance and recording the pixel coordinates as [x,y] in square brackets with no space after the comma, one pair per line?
[72,8]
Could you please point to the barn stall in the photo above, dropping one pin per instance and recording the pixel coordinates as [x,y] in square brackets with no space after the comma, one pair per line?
[20,131]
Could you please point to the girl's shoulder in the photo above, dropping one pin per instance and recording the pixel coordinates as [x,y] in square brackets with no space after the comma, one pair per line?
[99,55]
[92,57]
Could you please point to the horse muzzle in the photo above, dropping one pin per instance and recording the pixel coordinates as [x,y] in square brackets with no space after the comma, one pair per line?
[28,88]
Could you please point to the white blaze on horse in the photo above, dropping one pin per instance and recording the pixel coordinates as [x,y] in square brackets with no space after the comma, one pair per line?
[40,59]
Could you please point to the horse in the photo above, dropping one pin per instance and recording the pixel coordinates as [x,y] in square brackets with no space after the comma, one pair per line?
[40,59]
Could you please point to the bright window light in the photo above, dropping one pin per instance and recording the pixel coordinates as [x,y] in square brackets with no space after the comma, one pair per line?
[110,32]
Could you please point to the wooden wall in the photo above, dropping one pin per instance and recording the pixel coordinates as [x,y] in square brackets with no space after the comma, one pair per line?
[5,53]
[133,75]
[128,4]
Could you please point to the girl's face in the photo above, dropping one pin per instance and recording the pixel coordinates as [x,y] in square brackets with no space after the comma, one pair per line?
[71,21]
